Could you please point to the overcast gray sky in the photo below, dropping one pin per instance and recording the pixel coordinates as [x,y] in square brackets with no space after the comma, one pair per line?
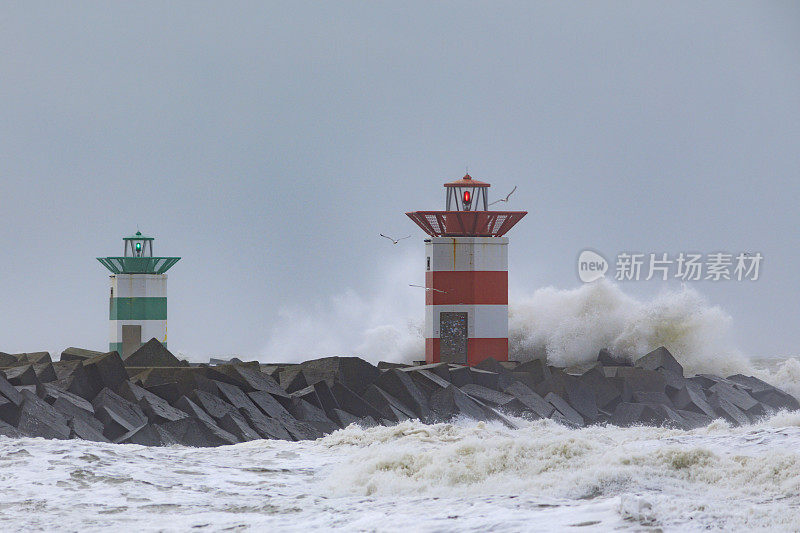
[268,144]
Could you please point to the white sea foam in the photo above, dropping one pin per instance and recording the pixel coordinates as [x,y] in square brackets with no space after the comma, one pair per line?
[465,476]
[565,326]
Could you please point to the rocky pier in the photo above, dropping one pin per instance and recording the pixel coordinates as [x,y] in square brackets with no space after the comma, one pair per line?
[152,398]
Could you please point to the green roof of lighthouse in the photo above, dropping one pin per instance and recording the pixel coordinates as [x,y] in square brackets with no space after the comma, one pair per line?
[138,258]
[138,237]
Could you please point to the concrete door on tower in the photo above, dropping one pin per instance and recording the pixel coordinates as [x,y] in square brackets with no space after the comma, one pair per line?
[131,339]
[453,337]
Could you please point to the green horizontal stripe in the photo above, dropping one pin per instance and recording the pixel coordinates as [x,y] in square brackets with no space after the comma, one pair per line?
[138,309]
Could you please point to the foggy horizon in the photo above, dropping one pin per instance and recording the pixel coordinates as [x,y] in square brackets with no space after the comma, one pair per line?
[268,145]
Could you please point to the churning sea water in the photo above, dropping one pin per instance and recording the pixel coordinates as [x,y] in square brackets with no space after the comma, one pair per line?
[465,476]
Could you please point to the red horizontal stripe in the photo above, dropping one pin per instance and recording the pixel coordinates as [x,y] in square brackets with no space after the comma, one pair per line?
[466,288]
[477,350]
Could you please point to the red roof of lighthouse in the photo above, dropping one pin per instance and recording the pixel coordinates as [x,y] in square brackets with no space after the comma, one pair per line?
[467,181]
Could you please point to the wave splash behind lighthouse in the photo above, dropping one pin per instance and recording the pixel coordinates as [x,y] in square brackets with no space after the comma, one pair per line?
[466,275]
[138,297]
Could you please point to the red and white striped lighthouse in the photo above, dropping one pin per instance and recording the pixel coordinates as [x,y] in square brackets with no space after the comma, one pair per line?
[466,276]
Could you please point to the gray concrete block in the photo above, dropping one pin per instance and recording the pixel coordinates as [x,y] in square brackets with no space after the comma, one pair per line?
[390,407]
[695,420]
[606,394]
[38,418]
[81,428]
[460,375]
[486,395]
[659,398]
[78,354]
[485,378]
[152,354]
[21,375]
[106,370]
[9,392]
[693,399]
[233,422]
[450,402]
[660,358]
[565,410]
[727,410]
[401,386]
[352,402]
[193,410]
[530,400]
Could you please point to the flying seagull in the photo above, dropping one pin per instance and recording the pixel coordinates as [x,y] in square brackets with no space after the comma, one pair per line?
[506,198]
[424,287]
[394,241]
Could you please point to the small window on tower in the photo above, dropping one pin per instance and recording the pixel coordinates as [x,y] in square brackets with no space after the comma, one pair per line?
[428,265]
[112,292]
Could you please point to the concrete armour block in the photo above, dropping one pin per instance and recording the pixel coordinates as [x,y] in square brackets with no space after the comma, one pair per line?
[21,375]
[145,435]
[254,380]
[118,415]
[460,375]
[355,373]
[237,398]
[486,395]
[268,428]
[38,418]
[233,422]
[738,397]
[607,396]
[80,428]
[9,392]
[490,364]
[536,369]
[530,400]
[214,406]
[352,402]
[45,372]
[777,399]
[106,370]
[639,379]
[9,411]
[343,418]
[691,398]
[427,381]
[168,391]
[571,415]
[51,393]
[193,410]
[152,354]
[695,420]
[632,414]
[78,354]
[450,402]
[727,410]
[389,406]
[490,380]
[660,358]
[659,398]
[292,379]
[401,386]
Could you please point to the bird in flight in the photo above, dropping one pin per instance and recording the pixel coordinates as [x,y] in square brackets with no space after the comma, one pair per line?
[394,241]
[506,198]
[426,288]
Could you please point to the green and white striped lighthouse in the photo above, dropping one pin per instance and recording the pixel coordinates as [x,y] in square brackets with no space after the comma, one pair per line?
[138,302]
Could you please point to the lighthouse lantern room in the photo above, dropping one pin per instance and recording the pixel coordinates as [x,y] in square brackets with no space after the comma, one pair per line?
[138,296]
[466,275]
